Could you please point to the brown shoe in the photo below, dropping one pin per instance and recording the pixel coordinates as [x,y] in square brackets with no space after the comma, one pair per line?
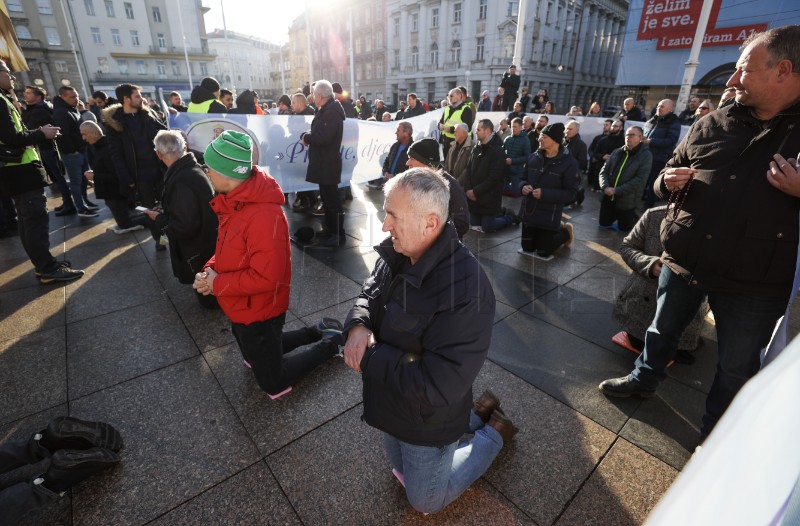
[487,404]
[503,425]
[571,231]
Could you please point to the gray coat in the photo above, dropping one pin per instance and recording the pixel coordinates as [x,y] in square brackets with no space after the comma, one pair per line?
[635,307]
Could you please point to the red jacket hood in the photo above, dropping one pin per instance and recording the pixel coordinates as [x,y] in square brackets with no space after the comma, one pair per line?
[260,187]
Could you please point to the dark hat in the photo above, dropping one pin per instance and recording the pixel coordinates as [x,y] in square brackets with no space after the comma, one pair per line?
[210,83]
[425,151]
[303,235]
[337,88]
[285,100]
[555,131]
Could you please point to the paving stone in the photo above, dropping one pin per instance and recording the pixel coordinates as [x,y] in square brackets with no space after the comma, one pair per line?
[566,367]
[553,454]
[250,497]
[559,270]
[11,249]
[105,253]
[32,373]
[312,292]
[189,444]
[325,393]
[512,286]
[121,345]
[625,488]
[105,290]
[361,468]
[34,308]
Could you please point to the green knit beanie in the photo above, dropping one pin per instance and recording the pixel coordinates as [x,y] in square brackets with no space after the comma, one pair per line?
[230,155]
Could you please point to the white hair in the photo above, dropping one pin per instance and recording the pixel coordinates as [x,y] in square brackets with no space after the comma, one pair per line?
[92,127]
[170,142]
[429,192]
[323,88]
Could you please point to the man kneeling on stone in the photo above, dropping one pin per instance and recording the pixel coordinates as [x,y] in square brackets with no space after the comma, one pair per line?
[419,333]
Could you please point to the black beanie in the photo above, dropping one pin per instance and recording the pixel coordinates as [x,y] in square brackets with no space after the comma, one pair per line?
[425,151]
[555,131]
[210,83]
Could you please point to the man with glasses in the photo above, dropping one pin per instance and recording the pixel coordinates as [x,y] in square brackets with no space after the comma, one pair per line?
[687,115]
[661,133]
[23,179]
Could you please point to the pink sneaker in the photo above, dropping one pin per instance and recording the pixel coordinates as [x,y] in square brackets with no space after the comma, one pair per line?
[399,477]
[284,392]
[247,364]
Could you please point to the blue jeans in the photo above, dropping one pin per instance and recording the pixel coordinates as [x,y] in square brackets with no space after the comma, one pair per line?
[50,162]
[489,224]
[744,326]
[436,476]
[73,162]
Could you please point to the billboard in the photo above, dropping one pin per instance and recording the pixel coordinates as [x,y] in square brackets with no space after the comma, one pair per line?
[10,51]
[659,35]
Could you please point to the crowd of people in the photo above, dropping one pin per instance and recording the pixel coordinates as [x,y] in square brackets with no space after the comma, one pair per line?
[421,328]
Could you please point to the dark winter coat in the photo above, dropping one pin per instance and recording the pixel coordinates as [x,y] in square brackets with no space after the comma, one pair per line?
[735,231]
[401,162]
[15,180]
[132,151]
[485,104]
[433,325]
[106,182]
[633,168]
[415,111]
[201,94]
[365,112]
[636,114]
[190,222]
[518,149]
[487,167]
[68,118]
[608,144]
[37,116]
[510,83]
[458,206]
[559,179]
[577,149]
[325,143]
[348,107]
[663,133]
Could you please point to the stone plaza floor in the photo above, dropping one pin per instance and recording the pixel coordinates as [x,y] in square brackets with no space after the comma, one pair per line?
[129,345]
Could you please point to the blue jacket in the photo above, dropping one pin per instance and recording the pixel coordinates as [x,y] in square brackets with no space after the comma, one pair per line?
[433,325]
[663,133]
[559,179]
[518,148]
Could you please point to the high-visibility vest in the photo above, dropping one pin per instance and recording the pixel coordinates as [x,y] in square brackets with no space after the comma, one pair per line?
[453,119]
[31,153]
[200,107]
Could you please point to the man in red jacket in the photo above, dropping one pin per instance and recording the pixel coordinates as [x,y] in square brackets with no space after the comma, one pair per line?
[251,269]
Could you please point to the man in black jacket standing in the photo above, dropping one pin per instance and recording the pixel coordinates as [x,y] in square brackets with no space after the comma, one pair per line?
[484,184]
[70,143]
[732,232]
[510,83]
[23,180]
[324,142]
[131,127]
[661,134]
[418,334]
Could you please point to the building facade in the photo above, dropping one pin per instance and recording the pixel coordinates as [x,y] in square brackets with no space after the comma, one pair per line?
[571,49]
[297,70]
[244,62]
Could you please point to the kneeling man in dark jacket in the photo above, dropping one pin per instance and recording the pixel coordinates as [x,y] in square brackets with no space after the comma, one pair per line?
[419,333]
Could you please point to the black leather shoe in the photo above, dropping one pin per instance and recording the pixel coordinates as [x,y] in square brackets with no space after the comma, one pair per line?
[487,404]
[70,466]
[66,432]
[625,387]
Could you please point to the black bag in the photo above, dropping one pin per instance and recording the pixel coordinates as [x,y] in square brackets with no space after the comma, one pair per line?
[10,154]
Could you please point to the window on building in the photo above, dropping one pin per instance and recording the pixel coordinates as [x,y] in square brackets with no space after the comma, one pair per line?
[44,7]
[204,68]
[396,58]
[549,12]
[379,73]
[508,46]
[128,10]
[141,67]
[414,22]
[359,75]
[61,66]
[415,56]
[513,9]
[455,52]
[156,14]
[110,9]
[369,70]
[479,48]
[457,13]
[15,6]
[434,17]
[358,45]
[52,36]
[96,38]
[397,27]
[558,15]
[482,8]
[367,44]
[435,54]
[22,31]
[102,63]
[89,5]
[378,39]
[554,53]
[367,17]
[122,64]
[176,67]
[116,37]
[545,49]
[162,41]
[134,37]
[161,68]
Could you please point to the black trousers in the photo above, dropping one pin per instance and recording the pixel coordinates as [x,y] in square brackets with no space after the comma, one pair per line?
[334,214]
[609,213]
[34,229]
[21,462]
[543,242]
[121,212]
[264,345]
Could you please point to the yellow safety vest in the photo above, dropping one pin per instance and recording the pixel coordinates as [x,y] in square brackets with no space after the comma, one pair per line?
[452,120]
[200,107]
[31,153]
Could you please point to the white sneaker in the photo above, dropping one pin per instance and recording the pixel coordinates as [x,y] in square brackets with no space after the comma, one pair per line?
[118,230]
[476,228]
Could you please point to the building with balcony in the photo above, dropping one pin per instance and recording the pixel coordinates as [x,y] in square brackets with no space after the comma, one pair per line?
[570,48]
[297,71]
[244,62]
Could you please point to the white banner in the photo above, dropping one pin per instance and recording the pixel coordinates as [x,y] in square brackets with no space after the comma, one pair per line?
[364,146]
